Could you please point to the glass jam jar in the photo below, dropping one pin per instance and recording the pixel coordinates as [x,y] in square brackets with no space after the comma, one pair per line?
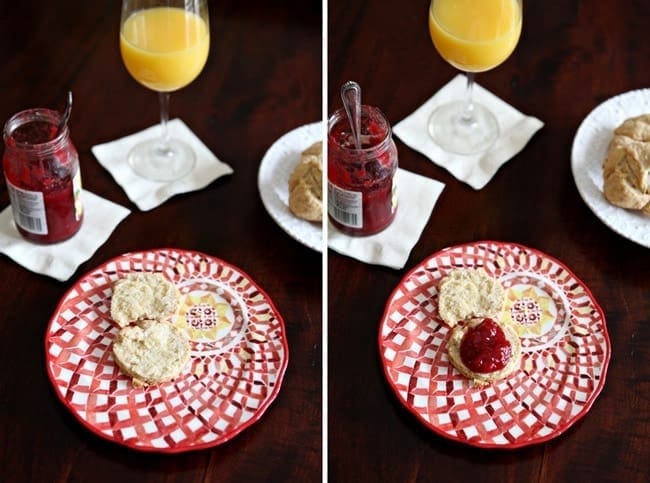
[41,168]
[362,196]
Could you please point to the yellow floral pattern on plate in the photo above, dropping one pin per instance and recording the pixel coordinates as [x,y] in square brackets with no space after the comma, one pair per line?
[204,316]
[530,310]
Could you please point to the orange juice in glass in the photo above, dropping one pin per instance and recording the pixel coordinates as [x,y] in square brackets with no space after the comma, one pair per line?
[473,36]
[164,46]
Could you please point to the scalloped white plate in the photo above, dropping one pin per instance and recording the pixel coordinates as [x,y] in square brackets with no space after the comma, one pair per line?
[588,153]
[273,183]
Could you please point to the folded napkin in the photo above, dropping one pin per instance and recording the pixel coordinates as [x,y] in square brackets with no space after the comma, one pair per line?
[476,170]
[148,194]
[416,197]
[61,260]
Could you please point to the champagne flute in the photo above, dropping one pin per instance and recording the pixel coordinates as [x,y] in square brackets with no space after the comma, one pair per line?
[473,36]
[164,46]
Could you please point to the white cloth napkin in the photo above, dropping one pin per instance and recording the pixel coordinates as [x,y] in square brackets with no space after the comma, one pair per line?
[61,260]
[148,194]
[416,197]
[475,170]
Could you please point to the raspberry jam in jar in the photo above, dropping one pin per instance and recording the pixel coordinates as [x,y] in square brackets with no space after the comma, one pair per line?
[485,348]
[361,190]
[41,168]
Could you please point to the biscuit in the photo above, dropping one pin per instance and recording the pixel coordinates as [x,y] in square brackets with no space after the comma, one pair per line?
[483,378]
[637,128]
[466,293]
[626,168]
[145,295]
[151,351]
[316,149]
[306,184]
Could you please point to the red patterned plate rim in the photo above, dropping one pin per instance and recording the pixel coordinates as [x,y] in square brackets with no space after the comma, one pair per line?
[525,408]
[207,282]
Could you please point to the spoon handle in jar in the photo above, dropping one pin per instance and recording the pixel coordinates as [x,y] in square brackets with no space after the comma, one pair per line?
[66,113]
[351,97]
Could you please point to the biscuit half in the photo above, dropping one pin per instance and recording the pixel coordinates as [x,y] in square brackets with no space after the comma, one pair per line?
[465,293]
[151,351]
[145,295]
[483,378]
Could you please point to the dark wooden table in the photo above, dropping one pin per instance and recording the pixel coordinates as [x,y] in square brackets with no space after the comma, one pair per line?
[262,79]
[572,56]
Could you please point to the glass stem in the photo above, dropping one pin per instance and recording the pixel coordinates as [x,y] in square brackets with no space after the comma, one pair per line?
[164,118]
[467,116]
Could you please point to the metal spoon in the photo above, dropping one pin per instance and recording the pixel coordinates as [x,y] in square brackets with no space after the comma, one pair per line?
[66,113]
[351,96]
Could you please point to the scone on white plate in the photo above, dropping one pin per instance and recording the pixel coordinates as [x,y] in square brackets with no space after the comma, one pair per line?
[465,293]
[306,184]
[151,351]
[626,169]
[143,295]
[484,350]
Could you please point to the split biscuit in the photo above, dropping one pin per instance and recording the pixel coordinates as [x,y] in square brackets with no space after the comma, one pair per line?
[483,378]
[466,293]
[151,351]
[145,295]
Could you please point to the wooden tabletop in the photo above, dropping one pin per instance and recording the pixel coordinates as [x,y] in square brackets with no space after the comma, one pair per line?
[571,57]
[262,79]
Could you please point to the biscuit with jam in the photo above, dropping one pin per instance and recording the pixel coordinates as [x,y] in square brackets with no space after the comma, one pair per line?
[484,350]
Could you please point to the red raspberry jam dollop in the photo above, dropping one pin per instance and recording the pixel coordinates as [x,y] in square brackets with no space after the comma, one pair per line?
[361,192]
[484,348]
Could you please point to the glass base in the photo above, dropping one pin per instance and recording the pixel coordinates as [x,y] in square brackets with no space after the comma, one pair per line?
[456,132]
[157,162]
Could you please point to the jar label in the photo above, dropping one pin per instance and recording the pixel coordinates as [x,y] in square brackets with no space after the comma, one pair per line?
[28,208]
[344,206]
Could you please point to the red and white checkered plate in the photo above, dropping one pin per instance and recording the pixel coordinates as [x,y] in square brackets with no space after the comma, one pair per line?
[239,356]
[566,349]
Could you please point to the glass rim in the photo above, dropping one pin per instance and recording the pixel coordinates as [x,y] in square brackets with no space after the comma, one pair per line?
[340,114]
[30,115]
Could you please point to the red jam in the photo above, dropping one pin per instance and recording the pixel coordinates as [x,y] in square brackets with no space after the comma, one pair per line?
[485,348]
[361,190]
[41,167]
